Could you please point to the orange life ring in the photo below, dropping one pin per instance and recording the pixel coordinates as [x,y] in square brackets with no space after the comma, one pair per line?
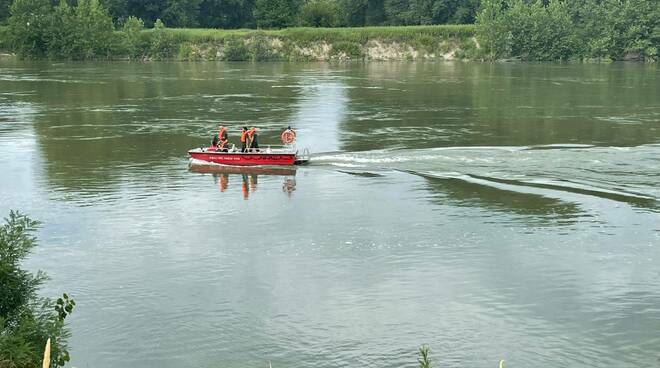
[288,137]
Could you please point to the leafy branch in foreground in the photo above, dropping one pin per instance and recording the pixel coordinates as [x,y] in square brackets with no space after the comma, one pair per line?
[27,321]
[424,361]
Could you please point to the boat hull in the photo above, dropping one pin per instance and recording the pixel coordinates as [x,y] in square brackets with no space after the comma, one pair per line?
[245,158]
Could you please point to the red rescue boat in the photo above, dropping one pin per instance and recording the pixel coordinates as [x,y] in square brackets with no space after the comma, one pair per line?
[268,157]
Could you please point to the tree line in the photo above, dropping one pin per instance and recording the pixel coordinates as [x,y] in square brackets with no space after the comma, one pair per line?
[232,14]
[505,29]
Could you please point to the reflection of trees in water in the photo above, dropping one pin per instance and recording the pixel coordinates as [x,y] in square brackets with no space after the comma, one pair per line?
[119,119]
[459,104]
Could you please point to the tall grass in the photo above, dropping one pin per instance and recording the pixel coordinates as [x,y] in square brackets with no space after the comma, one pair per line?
[330,35]
[255,44]
[251,44]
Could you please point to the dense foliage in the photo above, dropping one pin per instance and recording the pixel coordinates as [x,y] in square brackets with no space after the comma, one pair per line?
[38,29]
[26,320]
[59,36]
[562,30]
[506,29]
[283,13]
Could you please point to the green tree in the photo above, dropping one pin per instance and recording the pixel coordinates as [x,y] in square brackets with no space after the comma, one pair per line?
[399,12]
[162,41]
[26,320]
[94,30]
[182,13]
[359,13]
[61,38]
[147,10]
[226,13]
[275,13]
[118,10]
[319,13]
[4,10]
[38,29]
[375,13]
[540,32]
[632,24]
[132,31]
[493,34]
[465,12]
[29,25]
[557,30]
[353,12]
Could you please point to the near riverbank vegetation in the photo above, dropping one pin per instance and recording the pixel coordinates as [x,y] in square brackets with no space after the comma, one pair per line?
[566,30]
[27,320]
[400,30]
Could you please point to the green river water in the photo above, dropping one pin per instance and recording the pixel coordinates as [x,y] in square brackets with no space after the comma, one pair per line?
[489,211]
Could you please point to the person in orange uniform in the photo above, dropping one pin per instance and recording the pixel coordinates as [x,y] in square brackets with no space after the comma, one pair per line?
[244,139]
[252,137]
[222,133]
[220,142]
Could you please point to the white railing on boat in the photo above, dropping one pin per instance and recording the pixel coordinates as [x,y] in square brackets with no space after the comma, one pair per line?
[286,149]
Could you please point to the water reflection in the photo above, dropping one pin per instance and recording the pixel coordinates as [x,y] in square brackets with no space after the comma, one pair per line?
[304,284]
[249,176]
[440,105]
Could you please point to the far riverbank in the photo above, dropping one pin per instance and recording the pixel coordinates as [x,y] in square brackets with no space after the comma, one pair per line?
[438,42]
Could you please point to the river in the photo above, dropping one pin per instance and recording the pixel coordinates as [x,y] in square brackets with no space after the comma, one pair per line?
[489,211]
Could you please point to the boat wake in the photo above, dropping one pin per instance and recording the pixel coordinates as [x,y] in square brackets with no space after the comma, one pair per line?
[621,174]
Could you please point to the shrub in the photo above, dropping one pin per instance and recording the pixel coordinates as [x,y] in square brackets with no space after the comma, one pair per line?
[37,29]
[260,49]
[236,50]
[132,35]
[29,27]
[553,30]
[492,33]
[92,29]
[351,49]
[26,320]
[162,42]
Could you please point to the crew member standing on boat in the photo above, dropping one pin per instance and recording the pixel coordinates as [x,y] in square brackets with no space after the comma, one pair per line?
[244,137]
[220,141]
[222,133]
[252,136]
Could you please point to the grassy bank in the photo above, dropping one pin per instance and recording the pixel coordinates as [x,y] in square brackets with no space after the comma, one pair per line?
[360,35]
[437,42]
[295,44]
